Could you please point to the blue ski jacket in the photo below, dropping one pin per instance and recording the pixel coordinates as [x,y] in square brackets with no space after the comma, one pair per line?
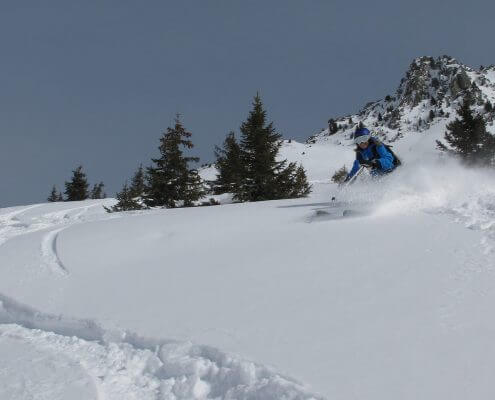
[375,151]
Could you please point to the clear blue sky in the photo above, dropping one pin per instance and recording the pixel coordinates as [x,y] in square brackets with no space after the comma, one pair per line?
[96,82]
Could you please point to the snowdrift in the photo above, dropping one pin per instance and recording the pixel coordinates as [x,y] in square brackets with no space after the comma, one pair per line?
[124,365]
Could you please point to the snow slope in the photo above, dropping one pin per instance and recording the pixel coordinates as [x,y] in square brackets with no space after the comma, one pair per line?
[247,301]
[393,304]
[48,356]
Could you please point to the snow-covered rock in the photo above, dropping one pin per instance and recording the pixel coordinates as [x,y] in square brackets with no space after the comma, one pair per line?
[429,93]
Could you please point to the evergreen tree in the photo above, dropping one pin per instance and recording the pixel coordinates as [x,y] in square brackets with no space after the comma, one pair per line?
[431,116]
[60,197]
[97,191]
[170,180]
[126,201]
[292,182]
[229,166]
[264,178]
[301,187]
[468,138]
[333,128]
[138,184]
[488,106]
[54,195]
[77,188]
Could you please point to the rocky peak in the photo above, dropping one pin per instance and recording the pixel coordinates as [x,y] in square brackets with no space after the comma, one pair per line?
[443,78]
[431,89]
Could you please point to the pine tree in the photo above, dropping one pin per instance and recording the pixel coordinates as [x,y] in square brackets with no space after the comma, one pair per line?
[97,191]
[229,166]
[264,178]
[77,188]
[126,201]
[138,184]
[431,116]
[170,180]
[54,195]
[60,196]
[468,138]
[488,106]
[333,128]
[301,187]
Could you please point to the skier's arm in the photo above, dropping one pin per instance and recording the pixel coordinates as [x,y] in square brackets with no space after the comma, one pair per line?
[386,159]
[355,168]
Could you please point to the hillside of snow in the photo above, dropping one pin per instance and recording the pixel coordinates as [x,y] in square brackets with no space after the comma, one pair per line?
[267,300]
[174,304]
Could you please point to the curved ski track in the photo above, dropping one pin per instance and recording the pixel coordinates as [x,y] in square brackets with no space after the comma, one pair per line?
[119,364]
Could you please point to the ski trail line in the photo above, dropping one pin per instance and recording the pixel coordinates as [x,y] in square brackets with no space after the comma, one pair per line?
[53,222]
[49,254]
[13,214]
[11,227]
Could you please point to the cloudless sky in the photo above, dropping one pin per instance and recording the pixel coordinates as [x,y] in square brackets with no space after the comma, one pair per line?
[96,82]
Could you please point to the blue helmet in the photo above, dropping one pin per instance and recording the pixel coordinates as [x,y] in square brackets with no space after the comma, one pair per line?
[362,135]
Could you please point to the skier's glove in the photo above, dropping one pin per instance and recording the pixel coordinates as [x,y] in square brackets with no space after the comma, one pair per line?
[370,164]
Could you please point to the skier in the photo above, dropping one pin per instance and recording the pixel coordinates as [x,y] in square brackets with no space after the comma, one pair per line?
[373,154]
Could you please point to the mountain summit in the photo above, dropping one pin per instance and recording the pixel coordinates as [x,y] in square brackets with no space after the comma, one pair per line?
[430,91]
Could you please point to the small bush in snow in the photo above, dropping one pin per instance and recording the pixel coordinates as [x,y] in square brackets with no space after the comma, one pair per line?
[340,175]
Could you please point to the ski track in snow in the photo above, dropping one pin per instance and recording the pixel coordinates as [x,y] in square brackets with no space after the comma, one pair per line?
[122,365]
[125,366]
[12,224]
[116,364]
[49,255]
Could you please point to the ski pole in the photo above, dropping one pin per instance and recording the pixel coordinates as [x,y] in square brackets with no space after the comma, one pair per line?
[352,180]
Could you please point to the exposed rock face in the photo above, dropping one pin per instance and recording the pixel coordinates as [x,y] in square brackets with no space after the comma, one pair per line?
[459,83]
[414,87]
[431,89]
